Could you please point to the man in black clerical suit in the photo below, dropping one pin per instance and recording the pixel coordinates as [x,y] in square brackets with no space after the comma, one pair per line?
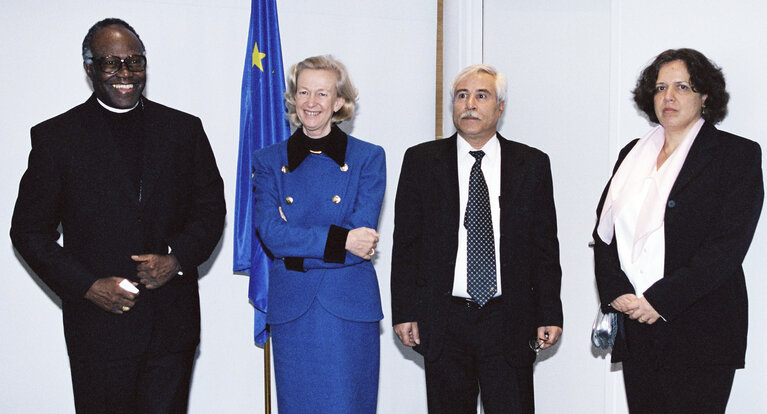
[475,267]
[135,188]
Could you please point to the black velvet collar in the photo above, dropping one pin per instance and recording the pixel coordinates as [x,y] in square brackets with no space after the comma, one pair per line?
[298,148]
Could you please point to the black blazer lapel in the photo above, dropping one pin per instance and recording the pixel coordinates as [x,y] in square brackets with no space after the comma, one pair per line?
[445,170]
[701,153]
[513,169]
[155,150]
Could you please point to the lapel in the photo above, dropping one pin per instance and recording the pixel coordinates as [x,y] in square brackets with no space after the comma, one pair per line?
[513,169]
[701,153]
[445,171]
[155,149]
[316,180]
[105,153]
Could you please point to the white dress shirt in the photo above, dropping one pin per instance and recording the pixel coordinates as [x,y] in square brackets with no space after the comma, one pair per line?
[491,169]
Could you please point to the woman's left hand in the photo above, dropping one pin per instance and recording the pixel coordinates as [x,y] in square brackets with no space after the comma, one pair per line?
[622,302]
[362,242]
[642,311]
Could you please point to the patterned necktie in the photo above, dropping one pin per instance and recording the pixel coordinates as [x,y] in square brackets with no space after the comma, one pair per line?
[480,243]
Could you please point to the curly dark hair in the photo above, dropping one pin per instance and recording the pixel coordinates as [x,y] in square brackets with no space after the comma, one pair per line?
[111,21]
[705,77]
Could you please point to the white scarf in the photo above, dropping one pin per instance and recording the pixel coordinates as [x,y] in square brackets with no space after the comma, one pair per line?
[636,167]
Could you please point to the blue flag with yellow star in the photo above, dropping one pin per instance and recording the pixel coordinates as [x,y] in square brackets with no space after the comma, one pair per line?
[262,123]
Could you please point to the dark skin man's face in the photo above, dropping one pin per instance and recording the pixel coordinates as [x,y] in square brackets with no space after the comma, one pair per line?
[123,88]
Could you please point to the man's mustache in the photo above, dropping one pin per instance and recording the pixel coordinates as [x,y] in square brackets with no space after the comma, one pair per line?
[470,114]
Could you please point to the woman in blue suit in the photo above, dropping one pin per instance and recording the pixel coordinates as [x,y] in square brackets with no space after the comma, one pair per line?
[317,200]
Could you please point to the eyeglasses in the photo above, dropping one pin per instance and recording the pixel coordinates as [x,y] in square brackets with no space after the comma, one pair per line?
[113,64]
[536,343]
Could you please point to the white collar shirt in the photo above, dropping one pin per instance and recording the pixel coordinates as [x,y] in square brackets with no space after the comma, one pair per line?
[491,169]
[116,110]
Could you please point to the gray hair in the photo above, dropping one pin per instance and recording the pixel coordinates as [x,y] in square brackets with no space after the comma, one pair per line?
[500,80]
[344,87]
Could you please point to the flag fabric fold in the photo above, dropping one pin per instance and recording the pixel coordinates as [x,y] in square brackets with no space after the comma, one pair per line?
[262,123]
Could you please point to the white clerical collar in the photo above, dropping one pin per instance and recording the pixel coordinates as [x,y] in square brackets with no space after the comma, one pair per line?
[117,110]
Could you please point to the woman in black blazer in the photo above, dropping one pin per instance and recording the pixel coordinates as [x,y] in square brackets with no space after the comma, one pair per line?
[675,223]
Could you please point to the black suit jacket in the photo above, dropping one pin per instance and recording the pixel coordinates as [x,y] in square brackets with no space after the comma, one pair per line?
[426,242]
[77,179]
[710,219]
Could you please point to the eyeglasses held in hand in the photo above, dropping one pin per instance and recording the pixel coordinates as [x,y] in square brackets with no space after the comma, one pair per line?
[536,343]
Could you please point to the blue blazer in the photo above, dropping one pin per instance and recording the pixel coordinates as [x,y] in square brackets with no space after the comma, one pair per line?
[318,193]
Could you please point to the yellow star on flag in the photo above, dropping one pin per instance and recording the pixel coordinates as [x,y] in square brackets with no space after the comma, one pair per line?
[257,56]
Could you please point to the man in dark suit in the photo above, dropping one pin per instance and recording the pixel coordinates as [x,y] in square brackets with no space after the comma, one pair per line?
[135,188]
[475,267]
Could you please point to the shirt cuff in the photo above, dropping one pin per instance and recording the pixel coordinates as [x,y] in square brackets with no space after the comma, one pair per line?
[180,272]
[335,246]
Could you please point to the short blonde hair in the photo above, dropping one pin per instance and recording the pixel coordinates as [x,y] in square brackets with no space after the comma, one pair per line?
[500,80]
[344,87]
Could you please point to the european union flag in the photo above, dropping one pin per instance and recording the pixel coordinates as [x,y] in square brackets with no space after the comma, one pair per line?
[262,123]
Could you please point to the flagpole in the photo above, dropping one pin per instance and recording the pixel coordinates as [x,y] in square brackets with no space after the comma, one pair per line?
[267,377]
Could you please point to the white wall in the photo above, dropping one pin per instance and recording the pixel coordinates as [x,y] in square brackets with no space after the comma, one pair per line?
[555,55]
[570,66]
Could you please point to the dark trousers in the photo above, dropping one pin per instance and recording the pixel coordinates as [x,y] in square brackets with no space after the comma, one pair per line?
[153,384]
[679,390]
[472,360]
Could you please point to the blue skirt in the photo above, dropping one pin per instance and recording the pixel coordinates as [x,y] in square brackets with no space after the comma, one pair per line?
[324,364]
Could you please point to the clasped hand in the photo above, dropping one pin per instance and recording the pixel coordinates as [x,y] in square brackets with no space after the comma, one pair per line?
[153,271]
[362,242]
[107,294]
[636,308]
